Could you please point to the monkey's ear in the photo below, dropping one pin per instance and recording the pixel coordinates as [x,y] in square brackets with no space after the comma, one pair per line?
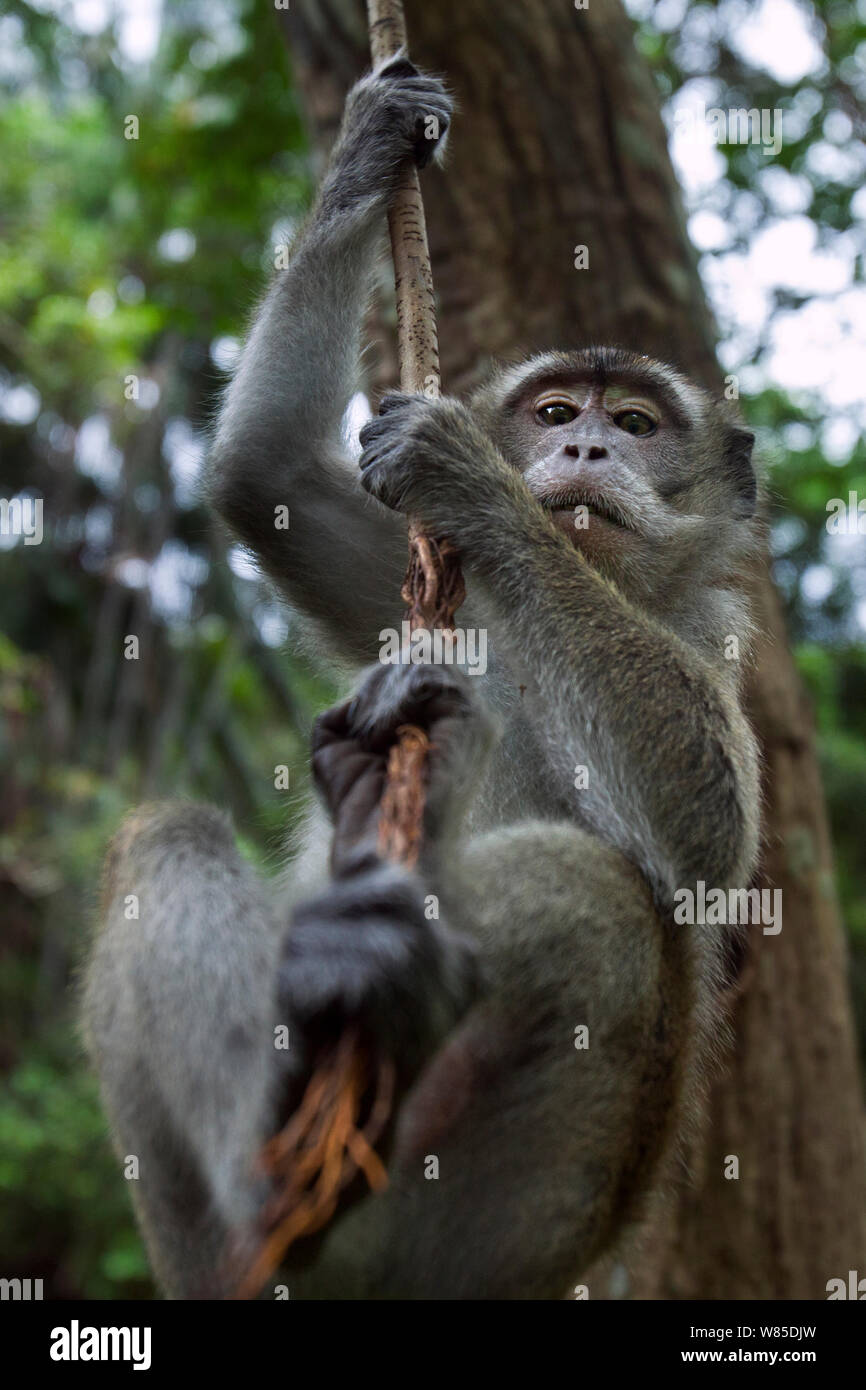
[738,457]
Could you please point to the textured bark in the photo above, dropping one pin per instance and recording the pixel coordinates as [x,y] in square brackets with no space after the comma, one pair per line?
[559,143]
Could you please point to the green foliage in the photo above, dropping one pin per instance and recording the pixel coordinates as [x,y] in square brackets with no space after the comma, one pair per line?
[59,1183]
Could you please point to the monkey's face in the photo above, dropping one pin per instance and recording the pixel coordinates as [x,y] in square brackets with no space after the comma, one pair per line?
[590,458]
[601,457]
[629,460]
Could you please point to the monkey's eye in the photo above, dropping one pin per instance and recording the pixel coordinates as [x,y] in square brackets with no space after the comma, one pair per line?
[556,414]
[635,422]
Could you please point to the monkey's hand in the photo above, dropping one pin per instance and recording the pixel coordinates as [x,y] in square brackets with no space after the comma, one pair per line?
[429,459]
[394,114]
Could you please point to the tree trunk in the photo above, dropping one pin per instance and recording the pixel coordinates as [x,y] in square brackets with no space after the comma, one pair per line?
[559,143]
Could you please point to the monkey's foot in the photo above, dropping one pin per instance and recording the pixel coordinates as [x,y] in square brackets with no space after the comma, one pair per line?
[364,955]
[351,744]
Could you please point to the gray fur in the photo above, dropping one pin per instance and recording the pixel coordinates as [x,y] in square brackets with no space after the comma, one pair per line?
[545,1151]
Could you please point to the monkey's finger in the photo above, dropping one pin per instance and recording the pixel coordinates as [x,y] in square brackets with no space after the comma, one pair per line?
[382,453]
[368,437]
[373,431]
[350,780]
[377,480]
[390,697]
[398,66]
[367,462]
[333,724]
[394,400]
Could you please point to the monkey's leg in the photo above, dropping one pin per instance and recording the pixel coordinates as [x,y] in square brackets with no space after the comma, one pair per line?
[526,1146]
[526,1143]
[179,1013]
[547,1137]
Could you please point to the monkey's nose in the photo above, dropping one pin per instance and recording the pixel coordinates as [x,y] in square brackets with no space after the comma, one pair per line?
[591,451]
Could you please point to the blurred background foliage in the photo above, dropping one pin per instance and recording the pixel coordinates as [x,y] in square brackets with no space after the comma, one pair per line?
[127,270]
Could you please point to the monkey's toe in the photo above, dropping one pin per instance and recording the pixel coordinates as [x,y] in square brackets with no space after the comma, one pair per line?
[422,695]
[363,954]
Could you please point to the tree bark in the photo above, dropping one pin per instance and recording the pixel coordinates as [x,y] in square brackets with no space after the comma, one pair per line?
[559,143]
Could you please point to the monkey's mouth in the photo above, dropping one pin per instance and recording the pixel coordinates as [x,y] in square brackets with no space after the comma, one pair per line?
[567,499]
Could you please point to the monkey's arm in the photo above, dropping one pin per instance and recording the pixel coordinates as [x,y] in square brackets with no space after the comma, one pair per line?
[278,441]
[671,760]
